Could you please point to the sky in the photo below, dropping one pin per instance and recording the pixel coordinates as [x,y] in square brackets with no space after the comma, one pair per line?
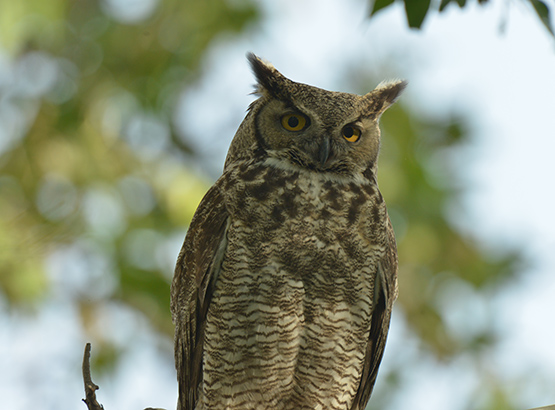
[497,63]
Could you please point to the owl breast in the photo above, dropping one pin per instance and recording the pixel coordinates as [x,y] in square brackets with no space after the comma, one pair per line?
[289,321]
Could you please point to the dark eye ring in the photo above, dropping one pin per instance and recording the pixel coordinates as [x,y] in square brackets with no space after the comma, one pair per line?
[294,122]
[351,133]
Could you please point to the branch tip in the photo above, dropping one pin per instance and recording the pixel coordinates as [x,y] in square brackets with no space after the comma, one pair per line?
[90,387]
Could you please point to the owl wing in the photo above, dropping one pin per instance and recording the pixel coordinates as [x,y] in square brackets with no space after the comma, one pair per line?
[192,288]
[385,293]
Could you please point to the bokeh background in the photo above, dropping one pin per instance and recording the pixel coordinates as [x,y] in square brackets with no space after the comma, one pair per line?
[115,117]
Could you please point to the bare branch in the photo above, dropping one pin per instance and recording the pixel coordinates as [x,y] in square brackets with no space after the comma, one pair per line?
[90,387]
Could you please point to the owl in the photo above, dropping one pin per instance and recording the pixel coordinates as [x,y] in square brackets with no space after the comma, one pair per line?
[283,290]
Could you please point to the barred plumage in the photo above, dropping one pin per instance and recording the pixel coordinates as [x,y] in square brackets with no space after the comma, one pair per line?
[283,290]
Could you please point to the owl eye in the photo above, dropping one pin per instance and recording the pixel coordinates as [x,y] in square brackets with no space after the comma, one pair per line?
[351,134]
[293,122]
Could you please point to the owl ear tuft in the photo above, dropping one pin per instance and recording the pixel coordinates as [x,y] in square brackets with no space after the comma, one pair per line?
[383,96]
[268,77]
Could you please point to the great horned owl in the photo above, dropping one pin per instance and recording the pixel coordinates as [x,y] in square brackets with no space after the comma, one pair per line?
[283,289]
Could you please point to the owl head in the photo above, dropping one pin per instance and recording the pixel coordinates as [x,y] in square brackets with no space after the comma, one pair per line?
[298,126]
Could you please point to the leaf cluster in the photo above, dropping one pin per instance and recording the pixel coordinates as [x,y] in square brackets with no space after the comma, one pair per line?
[417,10]
[96,186]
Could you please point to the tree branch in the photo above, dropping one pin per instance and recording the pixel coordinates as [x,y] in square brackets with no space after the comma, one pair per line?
[90,387]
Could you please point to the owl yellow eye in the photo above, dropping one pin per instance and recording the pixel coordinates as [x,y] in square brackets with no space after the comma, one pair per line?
[351,133]
[293,122]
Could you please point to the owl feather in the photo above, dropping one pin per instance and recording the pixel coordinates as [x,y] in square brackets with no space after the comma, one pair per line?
[283,290]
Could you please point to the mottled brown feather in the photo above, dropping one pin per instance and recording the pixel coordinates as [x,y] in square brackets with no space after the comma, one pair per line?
[381,315]
[191,291]
[283,289]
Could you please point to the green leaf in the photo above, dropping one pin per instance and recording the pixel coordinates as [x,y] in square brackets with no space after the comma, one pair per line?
[416,11]
[543,13]
[380,4]
[445,3]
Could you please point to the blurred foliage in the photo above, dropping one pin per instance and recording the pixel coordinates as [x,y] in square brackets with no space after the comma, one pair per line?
[94,182]
[443,275]
[417,10]
[96,190]
[420,185]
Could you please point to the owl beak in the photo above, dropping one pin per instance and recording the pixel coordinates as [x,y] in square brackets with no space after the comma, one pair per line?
[324,151]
